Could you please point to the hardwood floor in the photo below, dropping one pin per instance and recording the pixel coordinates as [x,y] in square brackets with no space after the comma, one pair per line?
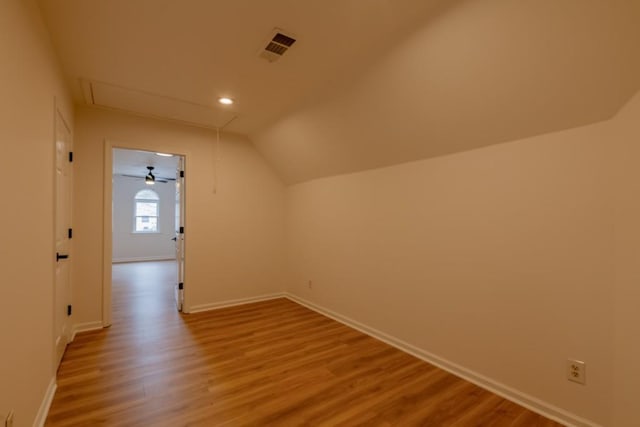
[268,363]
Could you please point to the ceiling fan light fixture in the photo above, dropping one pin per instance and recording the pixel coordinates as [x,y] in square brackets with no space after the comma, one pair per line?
[150,179]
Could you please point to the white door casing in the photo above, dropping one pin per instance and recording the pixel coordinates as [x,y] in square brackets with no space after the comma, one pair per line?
[179,237]
[107,222]
[63,192]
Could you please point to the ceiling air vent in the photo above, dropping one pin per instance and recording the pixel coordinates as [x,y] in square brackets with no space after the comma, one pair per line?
[277,46]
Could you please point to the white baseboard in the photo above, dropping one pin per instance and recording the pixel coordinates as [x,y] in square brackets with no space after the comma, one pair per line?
[144,258]
[84,327]
[231,303]
[43,411]
[534,404]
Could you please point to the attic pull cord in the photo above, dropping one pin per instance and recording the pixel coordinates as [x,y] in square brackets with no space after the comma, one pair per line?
[215,161]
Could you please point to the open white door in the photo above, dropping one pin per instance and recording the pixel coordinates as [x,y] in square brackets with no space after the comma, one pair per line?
[62,298]
[179,237]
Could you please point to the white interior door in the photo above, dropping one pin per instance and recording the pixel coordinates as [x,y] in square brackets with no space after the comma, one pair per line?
[62,299]
[179,237]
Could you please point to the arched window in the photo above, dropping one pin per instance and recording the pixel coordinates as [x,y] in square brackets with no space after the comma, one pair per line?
[146,212]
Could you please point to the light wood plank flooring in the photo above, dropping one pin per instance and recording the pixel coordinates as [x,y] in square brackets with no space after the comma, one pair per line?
[269,363]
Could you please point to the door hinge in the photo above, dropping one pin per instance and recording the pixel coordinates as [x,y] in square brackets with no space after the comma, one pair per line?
[180,286]
[71,156]
[70,233]
[181,174]
[181,230]
[69,309]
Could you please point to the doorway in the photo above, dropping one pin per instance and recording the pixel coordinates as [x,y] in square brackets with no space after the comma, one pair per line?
[147,199]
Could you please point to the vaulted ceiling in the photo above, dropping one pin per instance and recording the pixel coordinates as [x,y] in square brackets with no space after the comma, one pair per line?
[195,51]
[368,83]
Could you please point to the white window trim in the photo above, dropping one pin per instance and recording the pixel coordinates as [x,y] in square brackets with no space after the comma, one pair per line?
[135,202]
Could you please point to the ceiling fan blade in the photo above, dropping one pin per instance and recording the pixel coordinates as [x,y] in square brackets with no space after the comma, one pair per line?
[158,179]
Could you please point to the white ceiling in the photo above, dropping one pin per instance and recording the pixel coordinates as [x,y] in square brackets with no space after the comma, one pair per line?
[198,50]
[369,83]
[134,163]
[134,101]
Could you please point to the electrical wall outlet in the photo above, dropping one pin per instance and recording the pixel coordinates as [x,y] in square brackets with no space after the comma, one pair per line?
[8,422]
[576,371]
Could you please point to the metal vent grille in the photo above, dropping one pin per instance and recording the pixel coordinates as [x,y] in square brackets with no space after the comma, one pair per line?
[284,40]
[277,46]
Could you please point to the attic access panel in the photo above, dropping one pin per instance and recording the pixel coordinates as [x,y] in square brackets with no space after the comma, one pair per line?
[153,105]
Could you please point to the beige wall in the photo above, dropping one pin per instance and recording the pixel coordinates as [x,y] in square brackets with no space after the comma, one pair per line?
[29,81]
[499,260]
[234,238]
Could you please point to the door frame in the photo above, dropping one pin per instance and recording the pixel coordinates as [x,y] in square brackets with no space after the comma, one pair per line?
[179,233]
[107,233]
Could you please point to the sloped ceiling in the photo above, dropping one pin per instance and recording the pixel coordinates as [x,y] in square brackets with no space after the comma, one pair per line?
[194,51]
[480,73]
[369,83]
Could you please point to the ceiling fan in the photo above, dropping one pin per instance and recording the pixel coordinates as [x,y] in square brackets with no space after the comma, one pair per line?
[149,178]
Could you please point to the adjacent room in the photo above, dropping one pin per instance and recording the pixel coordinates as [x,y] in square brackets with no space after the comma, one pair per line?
[147,239]
[144,206]
[412,212]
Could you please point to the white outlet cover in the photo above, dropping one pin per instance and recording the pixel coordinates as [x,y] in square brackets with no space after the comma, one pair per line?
[576,371]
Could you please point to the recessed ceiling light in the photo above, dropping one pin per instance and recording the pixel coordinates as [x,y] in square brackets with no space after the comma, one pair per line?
[225,101]
[164,154]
